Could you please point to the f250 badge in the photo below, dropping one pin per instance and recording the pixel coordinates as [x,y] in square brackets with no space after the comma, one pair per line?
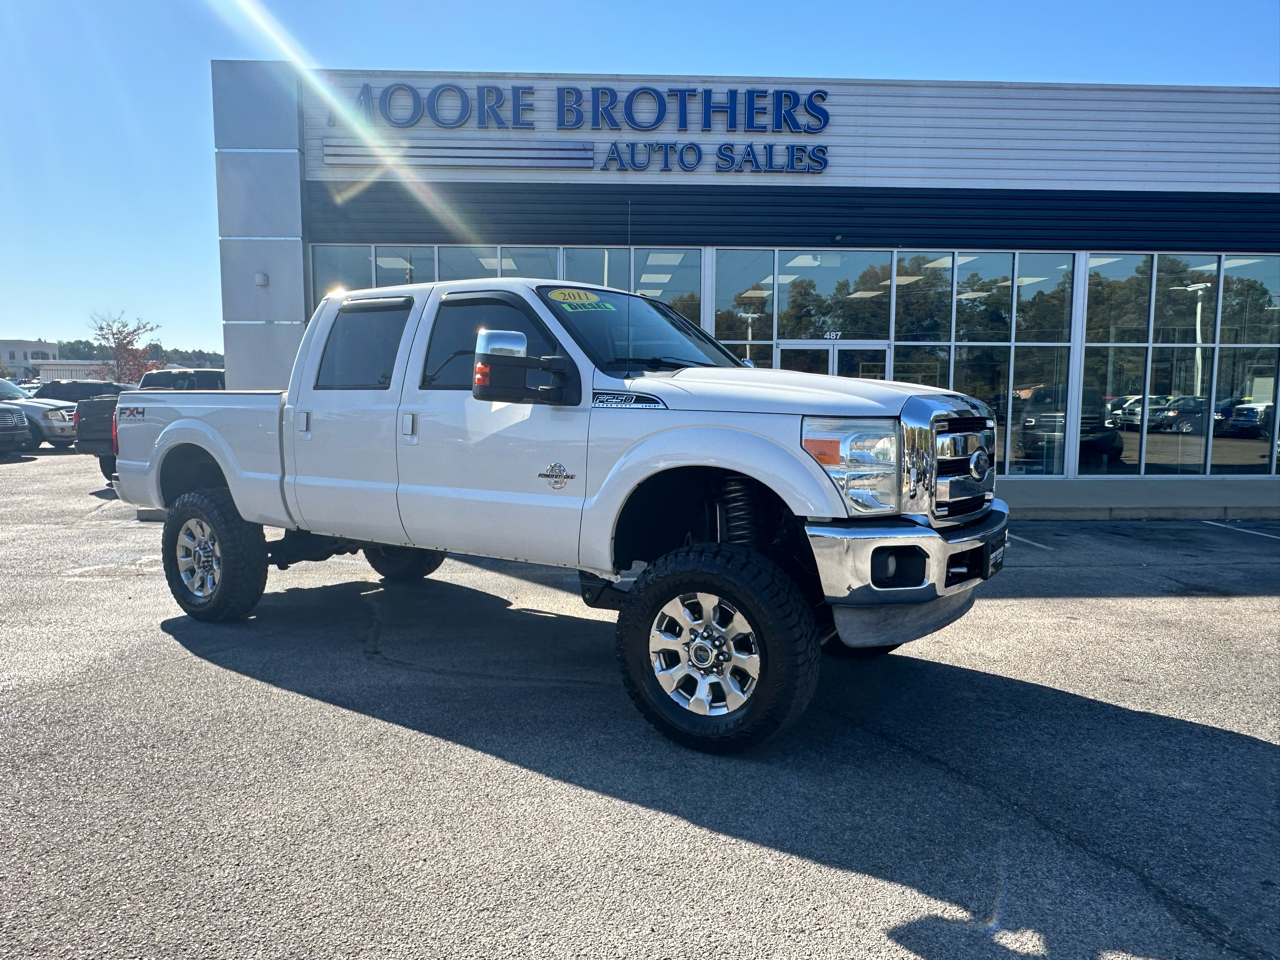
[132,413]
[557,476]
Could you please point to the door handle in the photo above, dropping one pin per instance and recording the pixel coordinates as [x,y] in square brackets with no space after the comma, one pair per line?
[409,427]
[304,424]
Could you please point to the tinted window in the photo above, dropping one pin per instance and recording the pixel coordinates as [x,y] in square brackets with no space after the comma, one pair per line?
[360,353]
[453,341]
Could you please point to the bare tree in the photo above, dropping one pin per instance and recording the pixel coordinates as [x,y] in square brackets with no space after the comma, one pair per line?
[121,338]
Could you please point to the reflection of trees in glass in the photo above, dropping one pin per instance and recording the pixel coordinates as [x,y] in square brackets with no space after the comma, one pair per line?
[687,304]
[924,298]
[857,310]
[750,317]
[1249,313]
[1118,309]
[924,365]
[1046,314]
[1185,300]
[983,306]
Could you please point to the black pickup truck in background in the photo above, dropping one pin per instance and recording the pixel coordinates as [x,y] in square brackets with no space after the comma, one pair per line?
[95,417]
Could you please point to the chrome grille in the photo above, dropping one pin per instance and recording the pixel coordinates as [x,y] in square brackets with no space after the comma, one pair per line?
[948,459]
[12,418]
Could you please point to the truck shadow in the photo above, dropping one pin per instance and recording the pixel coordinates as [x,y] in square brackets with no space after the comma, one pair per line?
[1092,826]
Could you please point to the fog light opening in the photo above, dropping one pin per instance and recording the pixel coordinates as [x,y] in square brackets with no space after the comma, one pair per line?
[897,568]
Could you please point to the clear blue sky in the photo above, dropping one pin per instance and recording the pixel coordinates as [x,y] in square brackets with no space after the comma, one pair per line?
[106,135]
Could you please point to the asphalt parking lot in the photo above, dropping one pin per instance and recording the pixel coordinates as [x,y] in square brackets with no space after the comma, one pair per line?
[1086,766]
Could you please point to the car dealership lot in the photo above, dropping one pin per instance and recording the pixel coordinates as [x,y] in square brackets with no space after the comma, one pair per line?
[1085,766]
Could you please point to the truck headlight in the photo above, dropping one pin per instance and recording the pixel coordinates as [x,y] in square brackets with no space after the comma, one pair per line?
[54,415]
[861,458]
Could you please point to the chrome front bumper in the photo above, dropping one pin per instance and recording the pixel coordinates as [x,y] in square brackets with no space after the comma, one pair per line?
[869,615]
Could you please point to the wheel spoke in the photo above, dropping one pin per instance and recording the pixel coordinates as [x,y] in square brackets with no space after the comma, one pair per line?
[734,695]
[700,702]
[676,611]
[660,640]
[708,603]
[736,627]
[668,679]
[749,663]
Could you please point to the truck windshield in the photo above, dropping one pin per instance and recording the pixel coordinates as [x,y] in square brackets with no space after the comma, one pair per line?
[10,392]
[625,334]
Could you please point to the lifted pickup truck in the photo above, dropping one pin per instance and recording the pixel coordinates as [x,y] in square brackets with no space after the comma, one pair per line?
[771,512]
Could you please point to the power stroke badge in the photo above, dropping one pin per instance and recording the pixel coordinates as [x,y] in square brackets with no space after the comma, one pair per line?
[557,476]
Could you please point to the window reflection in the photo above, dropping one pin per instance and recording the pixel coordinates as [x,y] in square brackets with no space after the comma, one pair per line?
[606,266]
[1119,298]
[744,295]
[805,361]
[1186,299]
[760,354]
[1177,432]
[540,263]
[925,365]
[983,372]
[1113,379]
[832,292]
[861,364]
[1251,300]
[340,267]
[1244,409]
[1039,410]
[468,263]
[984,296]
[672,276]
[1044,297]
[396,265]
[924,296]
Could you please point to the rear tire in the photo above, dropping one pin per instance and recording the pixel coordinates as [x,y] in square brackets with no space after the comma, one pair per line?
[725,679]
[108,466]
[33,442]
[215,561]
[403,564]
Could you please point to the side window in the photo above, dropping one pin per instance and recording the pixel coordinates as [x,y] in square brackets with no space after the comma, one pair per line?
[453,341]
[360,353]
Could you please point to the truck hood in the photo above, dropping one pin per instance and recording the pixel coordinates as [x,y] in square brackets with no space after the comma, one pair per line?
[33,404]
[747,390]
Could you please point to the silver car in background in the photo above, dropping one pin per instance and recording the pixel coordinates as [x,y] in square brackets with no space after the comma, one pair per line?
[48,420]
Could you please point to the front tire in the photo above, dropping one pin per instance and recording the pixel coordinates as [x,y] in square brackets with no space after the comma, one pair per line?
[108,466]
[215,561]
[33,442]
[403,564]
[726,678]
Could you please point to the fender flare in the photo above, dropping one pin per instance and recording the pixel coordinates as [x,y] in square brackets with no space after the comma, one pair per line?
[197,434]
[803,486]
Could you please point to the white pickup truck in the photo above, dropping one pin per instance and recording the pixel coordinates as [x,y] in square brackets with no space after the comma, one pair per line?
[770,513]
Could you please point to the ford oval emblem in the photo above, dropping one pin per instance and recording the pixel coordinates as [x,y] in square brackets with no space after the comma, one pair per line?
[979,465]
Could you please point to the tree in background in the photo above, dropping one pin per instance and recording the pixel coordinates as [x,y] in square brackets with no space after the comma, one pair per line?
[121,338]
[82,350]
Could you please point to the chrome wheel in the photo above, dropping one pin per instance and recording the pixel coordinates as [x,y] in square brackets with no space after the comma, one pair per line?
[704,654]
[199,557]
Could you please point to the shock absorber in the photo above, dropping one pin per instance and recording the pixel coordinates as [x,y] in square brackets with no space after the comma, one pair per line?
[741,507]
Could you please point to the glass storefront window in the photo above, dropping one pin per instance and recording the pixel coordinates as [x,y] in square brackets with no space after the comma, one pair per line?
[396,265]
[1251,300]
[1038,424]
[761,354]
[1119,298]
[533,262]
[984,296]
[1044,297]
[1186,298]
[925,365]
[468,263]
[924,296]
[744,295]
[832,294]
[861,364]
[607,266]
[340,267]
[1176,431]
[672,276]
[1111,409]
[805,360]
[983,372]
[1244,409]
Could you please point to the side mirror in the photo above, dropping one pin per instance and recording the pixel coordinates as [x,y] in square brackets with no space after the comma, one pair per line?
[501,372]
[748,363]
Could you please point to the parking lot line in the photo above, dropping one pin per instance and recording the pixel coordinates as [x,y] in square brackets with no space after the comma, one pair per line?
[1030,543]
[1256,533]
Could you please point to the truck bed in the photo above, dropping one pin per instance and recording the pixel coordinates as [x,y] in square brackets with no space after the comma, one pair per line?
[239,428]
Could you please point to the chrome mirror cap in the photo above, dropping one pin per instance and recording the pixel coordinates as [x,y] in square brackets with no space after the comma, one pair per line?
[502,343]
[748,363]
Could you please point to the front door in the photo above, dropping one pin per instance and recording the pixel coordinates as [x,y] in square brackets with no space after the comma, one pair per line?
[493,479]
[868,360]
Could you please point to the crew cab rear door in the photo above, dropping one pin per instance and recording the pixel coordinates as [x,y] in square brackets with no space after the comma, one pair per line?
[343,425]
[484,478]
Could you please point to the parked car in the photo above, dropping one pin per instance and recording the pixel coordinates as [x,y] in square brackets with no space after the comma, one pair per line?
[47,420]
[1129,415]
[74,391]
[13,430]
[1251,420]
[1044,426]
[591,429]
[95,417]
[200,379]
[1184,415]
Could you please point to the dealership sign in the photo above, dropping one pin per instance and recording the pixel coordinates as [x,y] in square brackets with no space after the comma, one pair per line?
[648,119]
